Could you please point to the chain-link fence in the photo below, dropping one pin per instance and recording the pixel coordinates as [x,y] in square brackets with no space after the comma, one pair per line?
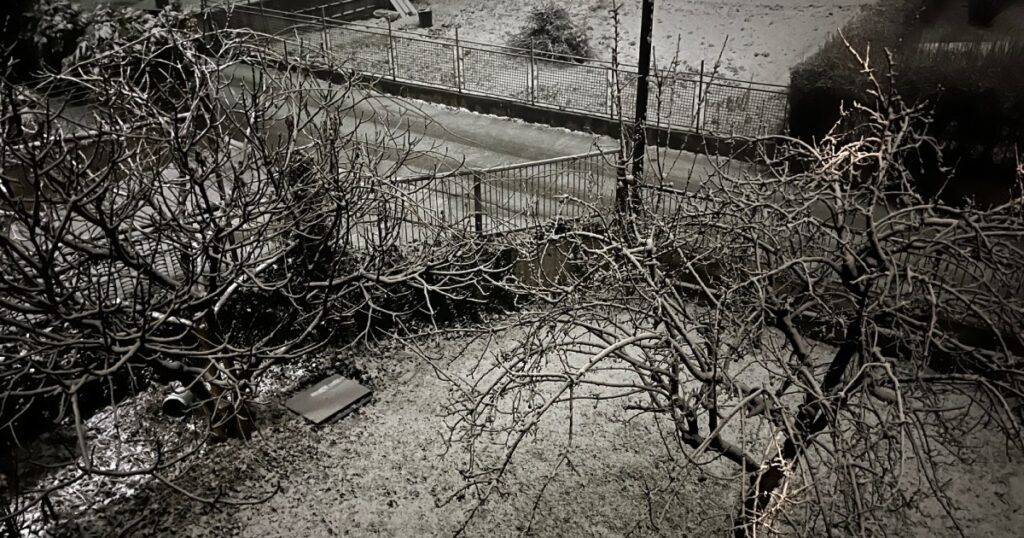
[686,101]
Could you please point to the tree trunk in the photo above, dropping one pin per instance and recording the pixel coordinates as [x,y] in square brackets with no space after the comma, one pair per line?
[811,419]
[230,417]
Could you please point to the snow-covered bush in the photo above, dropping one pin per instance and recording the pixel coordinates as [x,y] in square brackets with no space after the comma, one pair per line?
[550,31]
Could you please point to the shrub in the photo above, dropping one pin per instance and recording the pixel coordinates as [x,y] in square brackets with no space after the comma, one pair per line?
[58,25]
[38,35]
[981,12]
[831,76]
[975,92]
[145,51]
[551,32]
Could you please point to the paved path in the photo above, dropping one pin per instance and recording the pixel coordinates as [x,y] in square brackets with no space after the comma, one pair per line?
[445,138]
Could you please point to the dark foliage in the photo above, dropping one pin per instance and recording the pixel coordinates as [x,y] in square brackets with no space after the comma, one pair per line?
[37,35]
[831,76]
[156,64]
[551,32]
[982,12]
[977,95]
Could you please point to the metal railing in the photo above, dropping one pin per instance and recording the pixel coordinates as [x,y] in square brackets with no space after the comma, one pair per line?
[524,196]
[492,201]
[686,101]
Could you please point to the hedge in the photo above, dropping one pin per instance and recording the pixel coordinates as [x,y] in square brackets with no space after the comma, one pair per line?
[976,93]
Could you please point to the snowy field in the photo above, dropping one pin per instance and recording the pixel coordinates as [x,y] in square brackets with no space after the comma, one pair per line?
[758,40]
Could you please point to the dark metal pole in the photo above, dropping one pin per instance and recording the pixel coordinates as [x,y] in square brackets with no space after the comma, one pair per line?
[478,204]
[643,72]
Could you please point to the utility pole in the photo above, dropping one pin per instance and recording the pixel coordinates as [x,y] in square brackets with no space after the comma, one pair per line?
[643,72]
[627,193]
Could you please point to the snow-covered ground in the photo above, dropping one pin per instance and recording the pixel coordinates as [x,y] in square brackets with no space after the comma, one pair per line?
[382,471]
[758,40]
[386,470]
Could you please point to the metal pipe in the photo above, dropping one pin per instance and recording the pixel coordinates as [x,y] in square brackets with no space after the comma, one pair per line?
[179,402]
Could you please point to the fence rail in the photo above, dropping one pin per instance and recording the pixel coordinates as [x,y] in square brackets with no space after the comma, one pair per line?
[582,187]
[694,102]
[498,200]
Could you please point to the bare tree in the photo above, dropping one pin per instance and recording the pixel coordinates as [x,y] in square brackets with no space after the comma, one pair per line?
[211,211]
[816,322]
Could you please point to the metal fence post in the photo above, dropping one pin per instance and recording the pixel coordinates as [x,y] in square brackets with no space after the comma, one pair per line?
[458,62]
[478,204]
[610,94]
[531,80]
[392,53]
[700,99]
[323,27]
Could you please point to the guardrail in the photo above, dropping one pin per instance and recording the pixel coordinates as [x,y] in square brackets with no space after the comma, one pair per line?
[694,102]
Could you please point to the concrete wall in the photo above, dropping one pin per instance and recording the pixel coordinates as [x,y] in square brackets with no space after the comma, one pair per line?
[337,9]
[345,10]
[740,148]
[555,262]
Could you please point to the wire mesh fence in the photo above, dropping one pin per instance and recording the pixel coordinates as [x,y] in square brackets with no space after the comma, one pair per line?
[495,73]
[742,110]
[686,101]
[572,86]
[672,99]
[424,61]
[368,52]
